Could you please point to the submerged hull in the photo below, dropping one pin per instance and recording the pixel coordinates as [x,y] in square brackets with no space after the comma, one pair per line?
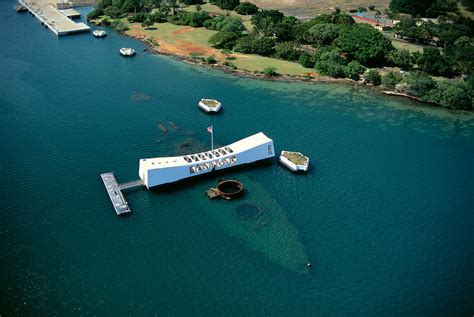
[165,170]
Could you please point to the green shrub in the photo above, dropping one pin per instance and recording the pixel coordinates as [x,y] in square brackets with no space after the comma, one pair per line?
[94,14]
[147,23]
[226,40]
[374,78]
[353,70]
[119,25]
[211,60]
[391,79]
[229,64]
[371,7]
[226,4]
[286,51]
[270,71]
[331,63]
[306,60]
[417,84]
[246,8]
[112,11]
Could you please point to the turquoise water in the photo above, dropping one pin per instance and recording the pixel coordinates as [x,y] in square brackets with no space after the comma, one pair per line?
[385,215]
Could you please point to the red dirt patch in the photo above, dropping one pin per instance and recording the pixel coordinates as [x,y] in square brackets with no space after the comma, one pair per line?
[183,30]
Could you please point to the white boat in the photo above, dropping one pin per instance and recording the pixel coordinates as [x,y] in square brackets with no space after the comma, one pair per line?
[164,170]
[210,105]
[99,33]
[294,161]
[127,51]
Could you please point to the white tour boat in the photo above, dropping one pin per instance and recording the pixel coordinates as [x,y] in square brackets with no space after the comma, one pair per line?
[294,161]
[99,33]
[164,170]
[210,105]
[127,51]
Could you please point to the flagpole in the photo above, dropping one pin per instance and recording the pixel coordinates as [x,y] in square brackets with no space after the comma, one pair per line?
[212,137]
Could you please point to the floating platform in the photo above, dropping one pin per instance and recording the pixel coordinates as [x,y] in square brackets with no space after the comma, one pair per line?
[115,192]
[51,17]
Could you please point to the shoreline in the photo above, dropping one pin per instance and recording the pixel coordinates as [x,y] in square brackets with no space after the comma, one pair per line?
[280,77]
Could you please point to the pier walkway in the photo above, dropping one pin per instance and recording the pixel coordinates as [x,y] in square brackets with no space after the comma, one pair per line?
[114,189]
[56,21]
[115,194]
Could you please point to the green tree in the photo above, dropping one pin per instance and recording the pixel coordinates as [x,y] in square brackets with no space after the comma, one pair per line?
[417,84]
[462,55]
[331,63]
[112,12]
[339,17]
[147,24]
[452,94]
[225,40]
[244,45]
[410,6]
[353,70]
[306,60]
[94,14]
[432,62]
[374,78]
[119,25]
[364,43]
[227,4]
[211,60]
[322,34]
[264,46]
[266,21]
[401,58]
[286,51]
[231,24]
[246,8]
[391,79]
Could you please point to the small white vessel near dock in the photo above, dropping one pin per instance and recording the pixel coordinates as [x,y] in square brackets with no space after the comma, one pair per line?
[164,170]
[294,161]
[127,51]
[210,105]
[99,33]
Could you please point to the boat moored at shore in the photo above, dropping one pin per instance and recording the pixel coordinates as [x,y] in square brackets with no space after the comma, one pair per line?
[99,33]
[164,170]
[294,161]
[210,105]
[127,51]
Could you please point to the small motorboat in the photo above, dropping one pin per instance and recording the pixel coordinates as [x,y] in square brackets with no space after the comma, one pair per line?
[99,33]
[294,161]
[127,51]
[209,105]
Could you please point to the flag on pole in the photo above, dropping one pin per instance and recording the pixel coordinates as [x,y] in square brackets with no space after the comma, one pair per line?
[209,129]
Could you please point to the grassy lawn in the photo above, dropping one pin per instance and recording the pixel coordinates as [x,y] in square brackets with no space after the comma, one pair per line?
[185,40]
[411,47]
[303,8]
[259,63]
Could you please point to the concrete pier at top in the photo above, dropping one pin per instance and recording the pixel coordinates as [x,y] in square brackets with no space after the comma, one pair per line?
[54,19]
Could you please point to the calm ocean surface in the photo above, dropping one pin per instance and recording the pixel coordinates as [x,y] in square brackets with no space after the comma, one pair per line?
[386,214]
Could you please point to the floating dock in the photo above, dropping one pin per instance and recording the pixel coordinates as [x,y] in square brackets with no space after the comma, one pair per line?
[51,17]
[115,192]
